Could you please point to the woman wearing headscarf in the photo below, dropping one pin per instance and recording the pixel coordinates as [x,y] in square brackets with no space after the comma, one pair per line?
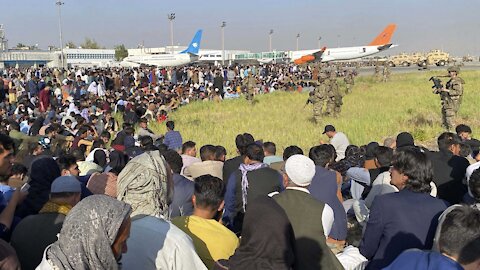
[263,246]
[93,236]
[146,184]
[43,171]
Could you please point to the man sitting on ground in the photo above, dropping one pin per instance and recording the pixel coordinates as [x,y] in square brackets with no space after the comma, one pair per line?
[208,165]
[43,228]
[212,240]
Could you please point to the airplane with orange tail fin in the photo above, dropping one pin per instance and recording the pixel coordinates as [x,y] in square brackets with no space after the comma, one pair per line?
[379,44]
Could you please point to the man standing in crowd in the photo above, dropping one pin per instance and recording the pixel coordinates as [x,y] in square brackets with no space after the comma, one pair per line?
[338,139]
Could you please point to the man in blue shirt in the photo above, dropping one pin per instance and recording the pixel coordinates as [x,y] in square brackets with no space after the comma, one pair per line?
[173,139]
[459,244]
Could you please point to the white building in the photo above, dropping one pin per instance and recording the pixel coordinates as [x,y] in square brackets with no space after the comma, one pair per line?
[89,57]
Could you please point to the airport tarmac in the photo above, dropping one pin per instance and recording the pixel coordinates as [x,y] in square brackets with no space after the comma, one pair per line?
[410,69]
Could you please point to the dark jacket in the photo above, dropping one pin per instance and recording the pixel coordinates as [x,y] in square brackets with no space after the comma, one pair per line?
[182,197]
[230,166]
[324,189]
[448,172]
[397,223]
[305,214]
[423,260]
[261,182]
[33,234]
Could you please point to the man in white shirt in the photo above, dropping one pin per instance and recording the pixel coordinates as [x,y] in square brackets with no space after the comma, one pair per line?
[189,155]
[338,139]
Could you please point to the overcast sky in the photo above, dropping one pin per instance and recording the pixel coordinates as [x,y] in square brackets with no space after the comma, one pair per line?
[422,25]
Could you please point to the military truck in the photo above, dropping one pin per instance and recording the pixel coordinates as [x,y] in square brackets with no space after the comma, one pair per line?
[402,59]
[435,57]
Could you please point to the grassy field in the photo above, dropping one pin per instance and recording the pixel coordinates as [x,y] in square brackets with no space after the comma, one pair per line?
[372,112]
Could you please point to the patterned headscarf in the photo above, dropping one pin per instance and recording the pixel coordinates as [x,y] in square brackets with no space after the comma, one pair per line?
[143,183]
[89,231]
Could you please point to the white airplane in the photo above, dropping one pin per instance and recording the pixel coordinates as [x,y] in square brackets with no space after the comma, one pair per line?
[185,57]
[380,43]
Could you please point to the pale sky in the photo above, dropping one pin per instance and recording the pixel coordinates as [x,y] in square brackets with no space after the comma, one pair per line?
[421,25]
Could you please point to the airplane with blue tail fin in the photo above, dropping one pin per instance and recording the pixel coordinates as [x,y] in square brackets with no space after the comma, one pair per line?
[184,57]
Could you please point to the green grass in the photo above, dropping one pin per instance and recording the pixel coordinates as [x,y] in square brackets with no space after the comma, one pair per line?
[372,112]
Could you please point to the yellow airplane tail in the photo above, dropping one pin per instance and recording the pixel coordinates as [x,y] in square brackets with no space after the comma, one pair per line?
[385,36]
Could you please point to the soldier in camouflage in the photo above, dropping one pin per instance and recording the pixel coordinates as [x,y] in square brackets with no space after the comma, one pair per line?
[334,96]
[451,97]
[376,75]
[318,98]
[386,72]
[349,81]
[250,83]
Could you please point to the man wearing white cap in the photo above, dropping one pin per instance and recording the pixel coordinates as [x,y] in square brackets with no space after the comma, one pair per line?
[311,219]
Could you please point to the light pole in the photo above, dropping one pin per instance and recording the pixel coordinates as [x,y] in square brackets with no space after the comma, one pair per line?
[319,38]
[171,17]
[223,41]
[298,37]
[59,4]
[270,40]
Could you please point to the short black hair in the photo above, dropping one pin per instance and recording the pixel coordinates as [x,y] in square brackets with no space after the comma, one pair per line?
[255,152]
[66,161]
[413,163]
[19,168]
[207,152]
[242,141]
[465,150]
[49,129]
[447,139]
[270,147]
[474,184]
[78,154]
[6,143]
[463,128]
[145,141]
[384,156]
[170,125]
[106,134]
[209,191]
[460,234]
[187,145]
[291,150]
[174,160]
[219,152]
[321,155]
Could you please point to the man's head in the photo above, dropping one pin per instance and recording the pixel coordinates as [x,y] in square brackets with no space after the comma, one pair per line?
[449,141]
[299,171]
[321,155]
[404,139]
[390,143]
[207,152]
[464,132]
[220,153]
[254,154]
[189,148]
[453,71]
[105,136]
[290,151]
[474,185]
[460,236]
[7,155]
[411,170]
[170,125]
[66,189]
[143,122]
[208,194]
[68,165]
[329,131]
[242,141]
[174,160]
[269,148]
[383,156]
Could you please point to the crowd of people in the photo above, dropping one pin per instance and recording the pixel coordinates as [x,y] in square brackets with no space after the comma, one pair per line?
[80,191]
